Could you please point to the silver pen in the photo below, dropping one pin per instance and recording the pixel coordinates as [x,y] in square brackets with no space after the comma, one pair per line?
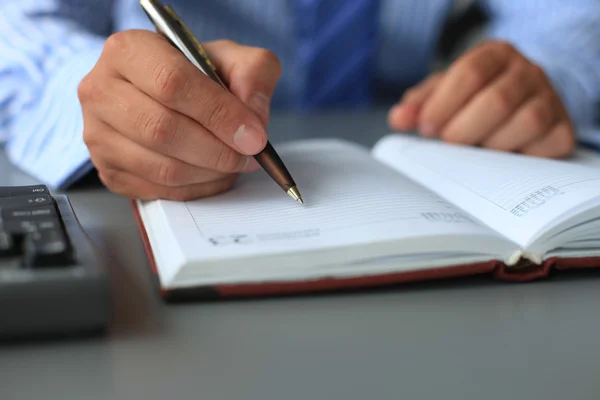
[168,24]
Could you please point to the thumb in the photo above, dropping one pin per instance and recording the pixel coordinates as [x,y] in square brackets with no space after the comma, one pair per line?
[251,73]
[404,116]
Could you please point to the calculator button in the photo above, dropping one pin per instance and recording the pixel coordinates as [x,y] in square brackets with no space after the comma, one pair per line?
[22,227]
[25,201]
[47,248]
[7,245]
[10,191]
[19,227]
[48,224]
[26,213]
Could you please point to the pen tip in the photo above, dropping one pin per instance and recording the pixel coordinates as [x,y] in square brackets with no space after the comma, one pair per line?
[294,193]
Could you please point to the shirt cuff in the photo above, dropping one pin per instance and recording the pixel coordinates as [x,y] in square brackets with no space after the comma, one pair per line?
[572,85]
[47,142]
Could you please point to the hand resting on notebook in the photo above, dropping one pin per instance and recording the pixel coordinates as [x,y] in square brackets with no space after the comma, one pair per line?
[493,97]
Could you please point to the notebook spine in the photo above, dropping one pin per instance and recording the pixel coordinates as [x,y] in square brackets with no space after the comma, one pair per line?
[523,270]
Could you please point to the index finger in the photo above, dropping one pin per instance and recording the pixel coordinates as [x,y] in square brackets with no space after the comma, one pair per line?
[467,76]
[158,69]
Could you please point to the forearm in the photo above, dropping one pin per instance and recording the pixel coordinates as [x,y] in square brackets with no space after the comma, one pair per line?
[43,60]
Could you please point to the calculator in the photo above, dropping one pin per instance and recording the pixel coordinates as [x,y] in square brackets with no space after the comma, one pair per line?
[52,280]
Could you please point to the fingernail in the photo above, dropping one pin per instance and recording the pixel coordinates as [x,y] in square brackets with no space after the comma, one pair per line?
[396,115]
[261,104]
[251,164]
[427,130]
[397,110]
[404,111]
[404,117]
[249,139]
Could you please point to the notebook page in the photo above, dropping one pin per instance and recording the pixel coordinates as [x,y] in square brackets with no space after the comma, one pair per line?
[349,199]
[514,194]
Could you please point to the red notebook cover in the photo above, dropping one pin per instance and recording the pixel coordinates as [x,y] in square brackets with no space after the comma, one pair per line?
[523,273]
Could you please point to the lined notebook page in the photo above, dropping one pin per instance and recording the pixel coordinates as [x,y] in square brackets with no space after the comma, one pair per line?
[349,198]
[514,194]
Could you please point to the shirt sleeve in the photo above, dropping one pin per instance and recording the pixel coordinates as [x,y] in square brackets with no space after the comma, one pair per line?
[562,37]
[46,51]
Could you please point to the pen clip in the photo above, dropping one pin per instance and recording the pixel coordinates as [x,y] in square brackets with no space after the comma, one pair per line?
[190,36]
[201,50]
[170,25]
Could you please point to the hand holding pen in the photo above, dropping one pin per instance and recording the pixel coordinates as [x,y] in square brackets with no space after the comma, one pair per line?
[170,25]
[157,127]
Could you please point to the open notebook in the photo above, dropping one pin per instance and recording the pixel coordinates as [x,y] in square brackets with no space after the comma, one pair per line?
[409,209]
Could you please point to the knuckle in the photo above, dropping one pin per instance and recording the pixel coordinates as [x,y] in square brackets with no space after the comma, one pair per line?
[534,120]
[116,42]
[501,102]
[505,47]
[93,89]
[538,73]
[169,81]
[472,76]
[89,138]
[521,69]
[159,128]
[224,42]
[224,159]
[86,88]
[169,173]
[266,57]
[94,138]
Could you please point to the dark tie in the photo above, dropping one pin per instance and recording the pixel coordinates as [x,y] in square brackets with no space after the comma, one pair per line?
[336,52]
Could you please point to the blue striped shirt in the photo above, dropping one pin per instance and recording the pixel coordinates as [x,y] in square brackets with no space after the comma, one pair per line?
[47,46]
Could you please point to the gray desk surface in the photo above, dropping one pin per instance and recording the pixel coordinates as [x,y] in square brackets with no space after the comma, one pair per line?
[460,339]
